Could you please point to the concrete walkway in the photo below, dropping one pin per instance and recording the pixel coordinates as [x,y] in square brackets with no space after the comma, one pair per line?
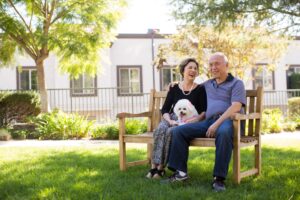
[284,139]
[58,143]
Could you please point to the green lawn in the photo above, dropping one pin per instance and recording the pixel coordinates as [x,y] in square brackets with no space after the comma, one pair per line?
[93,173]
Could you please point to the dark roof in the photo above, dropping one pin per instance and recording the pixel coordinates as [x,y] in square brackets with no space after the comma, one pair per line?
[140,36]
[156,36]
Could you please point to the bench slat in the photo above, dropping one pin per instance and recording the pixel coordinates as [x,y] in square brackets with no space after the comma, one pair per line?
[201,142]
[135,163]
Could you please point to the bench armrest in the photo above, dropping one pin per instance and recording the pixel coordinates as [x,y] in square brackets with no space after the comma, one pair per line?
[238,116]
[131,115]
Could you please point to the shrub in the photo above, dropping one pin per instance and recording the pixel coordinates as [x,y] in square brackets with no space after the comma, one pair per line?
[19,134]
[271,121]
[135,126]
[296,119]
[111,131]
[4,134]
[18,106]
[294,110]
[31,133]
[2,95]
[289,126]
[294,107]
[59,125]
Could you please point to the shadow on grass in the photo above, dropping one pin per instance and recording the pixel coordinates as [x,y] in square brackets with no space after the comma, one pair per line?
[94,174]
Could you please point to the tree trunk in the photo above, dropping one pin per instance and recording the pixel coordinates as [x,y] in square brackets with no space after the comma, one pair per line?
[42,86]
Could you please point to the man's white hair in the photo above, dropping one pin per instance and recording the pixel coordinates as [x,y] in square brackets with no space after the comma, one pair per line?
[222,55]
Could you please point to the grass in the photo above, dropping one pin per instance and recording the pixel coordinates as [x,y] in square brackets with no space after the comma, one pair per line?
[93,173]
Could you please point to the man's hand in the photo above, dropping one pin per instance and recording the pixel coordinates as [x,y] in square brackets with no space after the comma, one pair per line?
[211,131]
[234,108]
[172,85]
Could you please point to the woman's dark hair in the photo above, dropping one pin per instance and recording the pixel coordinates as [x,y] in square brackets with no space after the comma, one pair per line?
[185,62]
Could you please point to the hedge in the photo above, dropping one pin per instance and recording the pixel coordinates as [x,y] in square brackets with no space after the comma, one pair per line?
[17,106]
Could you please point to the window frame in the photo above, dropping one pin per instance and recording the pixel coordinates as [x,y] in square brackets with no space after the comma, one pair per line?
[95,93]
[293,66]
[139,67]
[170,67]
[253,75]
[18,74]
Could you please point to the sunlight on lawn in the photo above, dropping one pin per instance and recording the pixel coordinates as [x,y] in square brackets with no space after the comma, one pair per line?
[93,173]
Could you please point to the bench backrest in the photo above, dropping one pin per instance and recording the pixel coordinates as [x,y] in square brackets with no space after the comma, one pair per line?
[157,99]
[254,105]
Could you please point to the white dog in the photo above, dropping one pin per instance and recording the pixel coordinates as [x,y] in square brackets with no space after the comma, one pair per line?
[185,110]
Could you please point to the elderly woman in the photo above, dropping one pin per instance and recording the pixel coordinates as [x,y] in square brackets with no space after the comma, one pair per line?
[186,89]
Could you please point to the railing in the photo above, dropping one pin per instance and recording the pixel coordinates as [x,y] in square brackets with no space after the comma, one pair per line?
[279,99]
[106,103]
[102,106]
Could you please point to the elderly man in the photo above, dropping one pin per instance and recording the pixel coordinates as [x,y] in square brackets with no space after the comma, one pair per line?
[225,96]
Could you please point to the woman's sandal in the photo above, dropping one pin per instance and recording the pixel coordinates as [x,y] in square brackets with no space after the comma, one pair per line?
[151,173]
[159,174]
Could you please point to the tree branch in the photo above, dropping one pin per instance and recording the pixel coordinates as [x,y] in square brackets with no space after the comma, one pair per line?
[285,28]
[63,12]
[23,20]
[191,3]
[53,5]
[21,42]
[250,11]
[31,16]
[285,12]
[39,7]
[26,25]
[59,15]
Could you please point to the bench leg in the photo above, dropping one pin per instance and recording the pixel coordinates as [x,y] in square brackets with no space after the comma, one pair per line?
[236,152]
[122,154]
[236,165]
[258,158]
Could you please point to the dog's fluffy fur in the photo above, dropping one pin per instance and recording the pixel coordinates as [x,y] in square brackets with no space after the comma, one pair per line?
[184,110]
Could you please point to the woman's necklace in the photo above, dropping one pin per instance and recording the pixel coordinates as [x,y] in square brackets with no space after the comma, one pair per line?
[182,89]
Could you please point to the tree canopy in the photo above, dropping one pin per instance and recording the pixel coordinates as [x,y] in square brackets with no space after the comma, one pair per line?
[75,30]
[275,14]
[244,47]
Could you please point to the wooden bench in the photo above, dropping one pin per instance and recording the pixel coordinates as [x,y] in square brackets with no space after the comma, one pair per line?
[251,137]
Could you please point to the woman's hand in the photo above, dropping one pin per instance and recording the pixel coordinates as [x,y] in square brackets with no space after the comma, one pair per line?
[173,123]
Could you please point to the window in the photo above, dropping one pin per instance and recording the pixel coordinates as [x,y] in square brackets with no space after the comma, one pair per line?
[85,85]
[27,78]
[129,79]
[293,77]
[263,77]
[168,75]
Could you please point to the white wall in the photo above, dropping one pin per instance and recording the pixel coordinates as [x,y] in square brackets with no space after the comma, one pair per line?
[131,51]
[136,52]
[291,57]
[8,78]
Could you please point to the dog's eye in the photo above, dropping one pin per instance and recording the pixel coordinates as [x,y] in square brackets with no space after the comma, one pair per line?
[184,108]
